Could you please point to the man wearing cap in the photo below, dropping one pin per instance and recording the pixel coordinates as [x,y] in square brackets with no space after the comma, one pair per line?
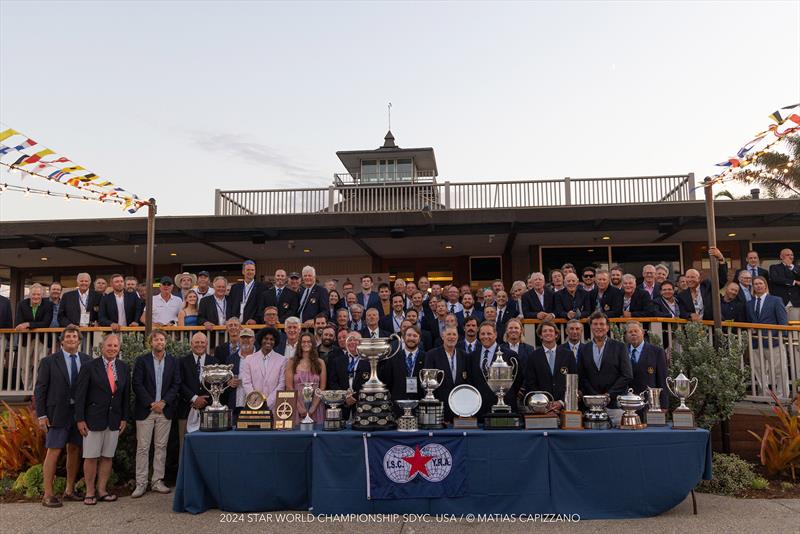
[243,296]
[313,297]
[203,288]
[183,284]
[264,371]
[234,395]
[165,305]
[280,296]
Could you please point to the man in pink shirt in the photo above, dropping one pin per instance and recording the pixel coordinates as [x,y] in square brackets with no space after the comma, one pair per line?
[264,370]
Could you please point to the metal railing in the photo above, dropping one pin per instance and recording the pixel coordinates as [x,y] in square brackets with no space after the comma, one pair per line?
[351,195]
[406,177]
[772,353]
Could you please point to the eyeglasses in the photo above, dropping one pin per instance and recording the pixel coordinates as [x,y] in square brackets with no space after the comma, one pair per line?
[588,275]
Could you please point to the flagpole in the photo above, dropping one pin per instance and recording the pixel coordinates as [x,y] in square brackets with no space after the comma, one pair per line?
[151,230]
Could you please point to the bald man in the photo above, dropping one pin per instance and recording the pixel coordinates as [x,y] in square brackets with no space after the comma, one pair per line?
[695,301]
[784,279]
[192,394]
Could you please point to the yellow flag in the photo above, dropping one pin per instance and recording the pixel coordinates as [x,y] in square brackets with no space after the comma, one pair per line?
[5,134]
[73,169]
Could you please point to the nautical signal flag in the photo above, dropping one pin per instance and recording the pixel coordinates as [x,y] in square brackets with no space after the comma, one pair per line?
[415,467]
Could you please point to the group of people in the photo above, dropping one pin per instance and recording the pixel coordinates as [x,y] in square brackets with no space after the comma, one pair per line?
[83,403]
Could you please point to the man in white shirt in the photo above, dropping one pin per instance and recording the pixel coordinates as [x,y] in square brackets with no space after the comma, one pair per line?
[203,288]
[165,305]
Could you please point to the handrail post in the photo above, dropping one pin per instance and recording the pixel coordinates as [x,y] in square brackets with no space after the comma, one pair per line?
[330,198]
[567,191]
[447,195]
[217,201]
[692,195]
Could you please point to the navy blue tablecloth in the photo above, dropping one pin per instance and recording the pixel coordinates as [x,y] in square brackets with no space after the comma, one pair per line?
[244,472]
[597,474]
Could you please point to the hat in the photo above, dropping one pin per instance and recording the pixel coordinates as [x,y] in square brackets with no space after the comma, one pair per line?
[294,274]
[246,332]
[179,277]
[203,273]
[166,280]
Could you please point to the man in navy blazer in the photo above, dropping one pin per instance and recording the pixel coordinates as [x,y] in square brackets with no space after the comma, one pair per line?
[784,278]
[372,327]
[34,311]
[506,310]
[243,296]
[603,365]
[156,383]
[80,307]
[192,393]
[513,342]
[648,362]
[281,296]
[109,310]
[766,309]
[368,298]
[6,321]
[605,297]
[401,372]
[313,297]
[702,291]
[102,405]
[54,393]
[572,302]
[213,309]
[478,363]
[453,362]
[753,266]
[234,396]
[539,302]
[636,302]
[547,367]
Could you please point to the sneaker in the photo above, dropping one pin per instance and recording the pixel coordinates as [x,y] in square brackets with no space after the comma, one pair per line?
[139,491]
[159,487]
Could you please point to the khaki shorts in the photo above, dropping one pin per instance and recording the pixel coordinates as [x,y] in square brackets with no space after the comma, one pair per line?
[100,443]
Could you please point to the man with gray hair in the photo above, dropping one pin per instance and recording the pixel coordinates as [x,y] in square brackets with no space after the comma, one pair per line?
[695,301]
[539,302]
[356,316]
[193,397]
[79,307]
[288,344]
[662,273]
[313,297]
[649,284]
[213,309]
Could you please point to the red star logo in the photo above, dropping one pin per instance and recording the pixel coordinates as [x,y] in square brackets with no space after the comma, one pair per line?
[418,463]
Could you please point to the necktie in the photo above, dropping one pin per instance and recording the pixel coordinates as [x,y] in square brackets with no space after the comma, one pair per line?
[452,308]
[758,307]
[111,380]
[575,352]
[73,369]
[351,366]
[754,272]
[551,361]
[197,366]
[633,356]
[453,366]
[466,314]
[375,335]
[278,292]
[410,364]
[485,361]
[499,316]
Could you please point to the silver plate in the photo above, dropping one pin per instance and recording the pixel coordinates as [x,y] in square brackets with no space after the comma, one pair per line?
[464,400]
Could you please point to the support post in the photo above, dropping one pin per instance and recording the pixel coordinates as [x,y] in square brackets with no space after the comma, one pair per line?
[151,240]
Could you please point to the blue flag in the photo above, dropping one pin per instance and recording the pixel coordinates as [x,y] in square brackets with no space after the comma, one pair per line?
[412,467]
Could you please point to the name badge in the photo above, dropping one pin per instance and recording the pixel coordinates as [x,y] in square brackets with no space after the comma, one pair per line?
[241,311]
[84,319]
[411,385]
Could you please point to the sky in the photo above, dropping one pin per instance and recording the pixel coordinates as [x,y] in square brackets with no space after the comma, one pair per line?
[173,100]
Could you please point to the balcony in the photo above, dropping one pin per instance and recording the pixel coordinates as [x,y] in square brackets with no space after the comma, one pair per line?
[356,194]
[397,177]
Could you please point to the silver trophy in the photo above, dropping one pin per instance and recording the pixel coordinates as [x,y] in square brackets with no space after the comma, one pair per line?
[538,402]
[631,403]
[683,388]
[500,377]
[655,415]
[430,413]
[307,424]
[374,405]
[215,417]
[407,422]
[539,416]
[571,417]
[597,416]
[333,398]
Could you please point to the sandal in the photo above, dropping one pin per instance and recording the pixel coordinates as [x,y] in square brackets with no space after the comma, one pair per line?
[90,500]
[73,497]
[108,497]
[51,502]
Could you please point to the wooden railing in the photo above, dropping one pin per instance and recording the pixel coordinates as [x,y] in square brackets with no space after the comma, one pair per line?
[360,196]
[772,353]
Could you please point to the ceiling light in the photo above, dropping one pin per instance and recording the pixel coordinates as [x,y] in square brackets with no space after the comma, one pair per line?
[606,237]
[590,250]
[448,247]
[306,250]
[732,234]
[43,258]
[173,253]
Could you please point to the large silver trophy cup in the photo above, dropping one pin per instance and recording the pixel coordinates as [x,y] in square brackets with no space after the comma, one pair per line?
[307,424]
[631,403]
[571,417]
[215,417]
[655,414]
[500,377]
[597,416]
[430,413]
[374,405]
[683,388]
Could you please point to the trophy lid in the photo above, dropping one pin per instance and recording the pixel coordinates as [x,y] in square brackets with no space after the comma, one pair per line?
[630,396]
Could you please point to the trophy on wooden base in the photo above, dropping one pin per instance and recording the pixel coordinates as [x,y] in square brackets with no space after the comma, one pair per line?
[655,415]
[374,405]
[333,398]
[407,422]
[597,416]
[539,416]
[216,417]
[500,377]
[571,417]
[284,409]
[464,401]
[307,424]
[631,403]
[683,388]
[256,416]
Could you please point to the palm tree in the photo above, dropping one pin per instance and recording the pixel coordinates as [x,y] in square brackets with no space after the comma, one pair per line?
[777,172]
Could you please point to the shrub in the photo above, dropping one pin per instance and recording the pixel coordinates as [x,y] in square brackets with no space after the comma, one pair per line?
[760,483]
[29,483]
[732,475]
[780,444]
[720,380]
[786,486]
[21,441]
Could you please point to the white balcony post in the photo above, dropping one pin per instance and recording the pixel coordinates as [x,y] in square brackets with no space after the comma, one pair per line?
[691,187]
[446,195]
[567,191]
[331,190]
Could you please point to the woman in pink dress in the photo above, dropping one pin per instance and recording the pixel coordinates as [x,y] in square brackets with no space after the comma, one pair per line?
[306,366]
